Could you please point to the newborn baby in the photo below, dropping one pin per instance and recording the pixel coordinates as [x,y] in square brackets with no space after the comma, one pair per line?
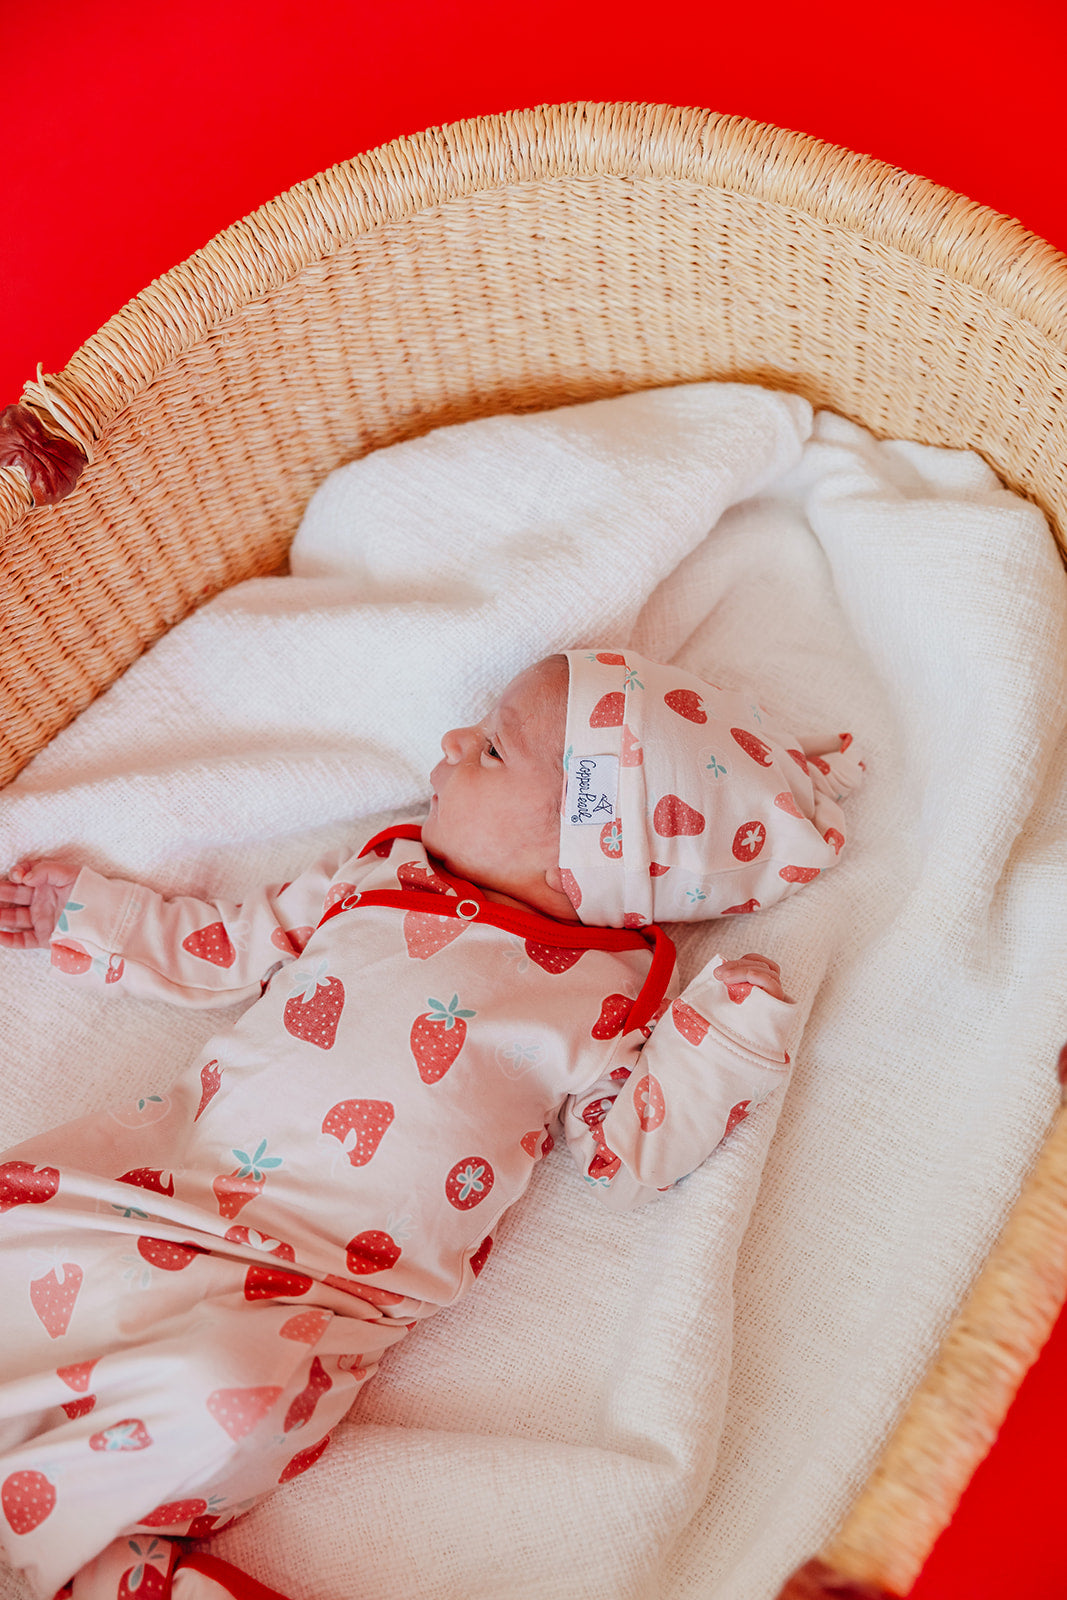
[431,1012]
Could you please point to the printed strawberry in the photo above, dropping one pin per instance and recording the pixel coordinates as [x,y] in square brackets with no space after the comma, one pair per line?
[610,658]
[202,1526]
[611,838]
[605,1164]
[632,753]
[71,957]
[238,1411]
[687,703]
[425,934]
[53,1297]
[690,1024]
[335,893]
[235,1189]
[307,1327]
[360,1126]
[254,1240]
[437,1037]
[614,1011]
[272,1283]
[820,765]
[314,1007]
[552,958]
[174,1514]
[649,1103]
[371,1251]
[785,802]
[608,711]
[149,1578]
[672,817]
[597,1110]
[22,1184]
[835,837]
[481,1255]
[80,1407]
[845,740]
[303,1460]
[737,911]
[417,875]
[756,748]
[749,840]
[657,869]
[210,1084]
[303,1406]
[170,1255]
[115,968]
[800,758]
[738,992]
[798,874]
[469,1182]
[129,1434]
[531,1141]
[571,887]
[738,1113]
[211,943]
[148,1178]
[77,1376]
[27,1498]
[291,941]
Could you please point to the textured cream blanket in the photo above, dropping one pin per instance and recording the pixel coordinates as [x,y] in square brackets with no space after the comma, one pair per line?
[681,1401]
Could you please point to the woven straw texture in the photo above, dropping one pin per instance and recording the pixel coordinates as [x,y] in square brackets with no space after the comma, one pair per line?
[514,263]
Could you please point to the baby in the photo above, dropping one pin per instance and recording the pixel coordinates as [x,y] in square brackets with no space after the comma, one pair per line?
[430,1013]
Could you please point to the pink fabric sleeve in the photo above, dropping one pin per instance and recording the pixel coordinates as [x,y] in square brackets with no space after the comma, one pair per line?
[665,1104]
[189,951]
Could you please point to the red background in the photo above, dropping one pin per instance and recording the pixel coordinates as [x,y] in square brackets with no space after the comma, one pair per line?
[133,130]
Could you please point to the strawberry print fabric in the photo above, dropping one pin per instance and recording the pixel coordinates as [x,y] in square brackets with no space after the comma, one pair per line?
[197,1284]
[687,801]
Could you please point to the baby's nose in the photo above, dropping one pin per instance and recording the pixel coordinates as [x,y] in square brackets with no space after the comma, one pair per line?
[454,743]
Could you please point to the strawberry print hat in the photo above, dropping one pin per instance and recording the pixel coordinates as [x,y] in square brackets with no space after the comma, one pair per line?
[685,801]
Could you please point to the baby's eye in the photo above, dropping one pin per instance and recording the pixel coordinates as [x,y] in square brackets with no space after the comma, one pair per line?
[491,750]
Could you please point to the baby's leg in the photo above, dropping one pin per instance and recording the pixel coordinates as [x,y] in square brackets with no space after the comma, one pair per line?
[163,1409]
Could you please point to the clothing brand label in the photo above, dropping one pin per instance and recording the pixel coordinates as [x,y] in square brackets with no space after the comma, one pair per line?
[592,789]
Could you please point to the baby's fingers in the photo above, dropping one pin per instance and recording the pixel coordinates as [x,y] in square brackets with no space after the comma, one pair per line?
[13,893]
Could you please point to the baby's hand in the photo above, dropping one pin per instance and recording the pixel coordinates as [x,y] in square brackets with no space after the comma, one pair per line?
[31,900]
[758,970]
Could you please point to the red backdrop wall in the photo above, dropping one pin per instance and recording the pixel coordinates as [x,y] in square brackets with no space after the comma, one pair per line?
[133,130]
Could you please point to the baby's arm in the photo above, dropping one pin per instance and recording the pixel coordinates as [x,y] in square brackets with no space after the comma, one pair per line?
[666,1104]
[191,951]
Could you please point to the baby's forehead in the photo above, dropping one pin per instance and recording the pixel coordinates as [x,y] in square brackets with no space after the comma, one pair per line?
[533,708]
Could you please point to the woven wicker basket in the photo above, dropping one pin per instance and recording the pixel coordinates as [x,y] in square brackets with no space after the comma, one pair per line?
[520,262]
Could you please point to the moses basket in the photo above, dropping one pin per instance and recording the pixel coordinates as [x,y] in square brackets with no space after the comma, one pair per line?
[516,263]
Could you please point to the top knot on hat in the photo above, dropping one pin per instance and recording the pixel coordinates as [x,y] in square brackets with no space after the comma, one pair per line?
[685,801]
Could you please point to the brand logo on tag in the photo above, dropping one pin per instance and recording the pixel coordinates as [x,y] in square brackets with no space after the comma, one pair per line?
[592,788]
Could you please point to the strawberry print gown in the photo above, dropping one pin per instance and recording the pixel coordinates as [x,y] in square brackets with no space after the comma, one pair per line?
[194,1287]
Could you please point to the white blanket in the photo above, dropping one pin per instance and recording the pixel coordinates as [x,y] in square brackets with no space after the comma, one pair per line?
[616,1410]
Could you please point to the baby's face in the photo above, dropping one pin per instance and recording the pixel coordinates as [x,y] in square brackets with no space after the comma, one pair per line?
[494,815]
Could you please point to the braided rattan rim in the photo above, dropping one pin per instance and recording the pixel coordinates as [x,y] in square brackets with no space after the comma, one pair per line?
[934,225]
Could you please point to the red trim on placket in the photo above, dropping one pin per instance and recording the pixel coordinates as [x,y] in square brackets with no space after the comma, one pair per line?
[471,905]
[237,1583]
